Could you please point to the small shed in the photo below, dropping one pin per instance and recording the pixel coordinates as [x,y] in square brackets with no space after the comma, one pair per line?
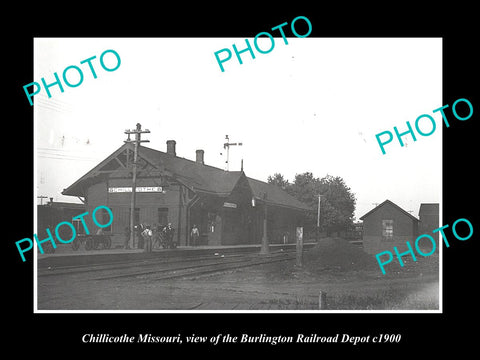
[386,226]
[429,214]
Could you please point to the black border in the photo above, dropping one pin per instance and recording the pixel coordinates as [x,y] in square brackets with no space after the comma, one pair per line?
[430,332]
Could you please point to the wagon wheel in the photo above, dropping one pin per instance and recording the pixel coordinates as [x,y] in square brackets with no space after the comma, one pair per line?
[107,242]
[89,244]
[75,245]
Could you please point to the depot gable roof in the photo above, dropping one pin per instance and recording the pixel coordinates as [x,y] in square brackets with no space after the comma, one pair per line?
[196,176]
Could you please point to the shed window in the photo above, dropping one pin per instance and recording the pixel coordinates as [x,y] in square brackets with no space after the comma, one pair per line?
[387,230]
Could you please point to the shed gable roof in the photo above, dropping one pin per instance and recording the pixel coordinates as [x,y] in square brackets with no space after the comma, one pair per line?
[429,209]
[392,204]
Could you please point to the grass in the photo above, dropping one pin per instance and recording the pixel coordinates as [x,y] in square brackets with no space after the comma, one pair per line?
[389,299]
[353,280]
[398,297]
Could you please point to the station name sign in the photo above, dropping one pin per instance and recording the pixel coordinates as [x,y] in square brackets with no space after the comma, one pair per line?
[137,189]
[230,205]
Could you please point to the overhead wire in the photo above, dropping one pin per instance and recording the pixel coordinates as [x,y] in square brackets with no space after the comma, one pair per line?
[62,154]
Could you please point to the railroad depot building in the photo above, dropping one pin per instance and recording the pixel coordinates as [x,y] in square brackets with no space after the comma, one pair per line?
[227,206]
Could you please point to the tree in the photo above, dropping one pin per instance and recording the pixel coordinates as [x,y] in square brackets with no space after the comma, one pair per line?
[279,180]
[337,203]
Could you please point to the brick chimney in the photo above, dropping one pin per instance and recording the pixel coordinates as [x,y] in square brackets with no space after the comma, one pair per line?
[199,154]
[171,147]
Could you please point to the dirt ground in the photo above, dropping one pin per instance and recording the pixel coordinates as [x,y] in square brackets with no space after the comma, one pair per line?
[350,279]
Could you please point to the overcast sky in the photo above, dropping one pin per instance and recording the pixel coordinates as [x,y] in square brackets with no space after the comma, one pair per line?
[312,105]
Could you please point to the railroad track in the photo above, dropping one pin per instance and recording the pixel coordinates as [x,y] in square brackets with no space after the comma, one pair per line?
[200,269]
[165,268]
[118,265]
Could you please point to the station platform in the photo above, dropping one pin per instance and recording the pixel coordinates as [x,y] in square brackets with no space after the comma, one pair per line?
[65,255]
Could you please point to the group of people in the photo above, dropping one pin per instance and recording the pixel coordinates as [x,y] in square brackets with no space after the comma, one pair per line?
[150,237]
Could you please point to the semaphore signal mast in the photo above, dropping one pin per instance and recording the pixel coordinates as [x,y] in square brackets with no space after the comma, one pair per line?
[227,147]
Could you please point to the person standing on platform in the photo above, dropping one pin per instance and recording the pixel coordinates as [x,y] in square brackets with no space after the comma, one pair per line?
[194,235]
[139,230]
[126,232]
[147,236]
[169,233]
[156,236]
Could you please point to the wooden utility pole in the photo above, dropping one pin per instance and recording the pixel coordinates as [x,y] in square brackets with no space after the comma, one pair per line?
[41,197]
[299,246]
[318,219]
[138,134]
[265,249]
[318,211]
